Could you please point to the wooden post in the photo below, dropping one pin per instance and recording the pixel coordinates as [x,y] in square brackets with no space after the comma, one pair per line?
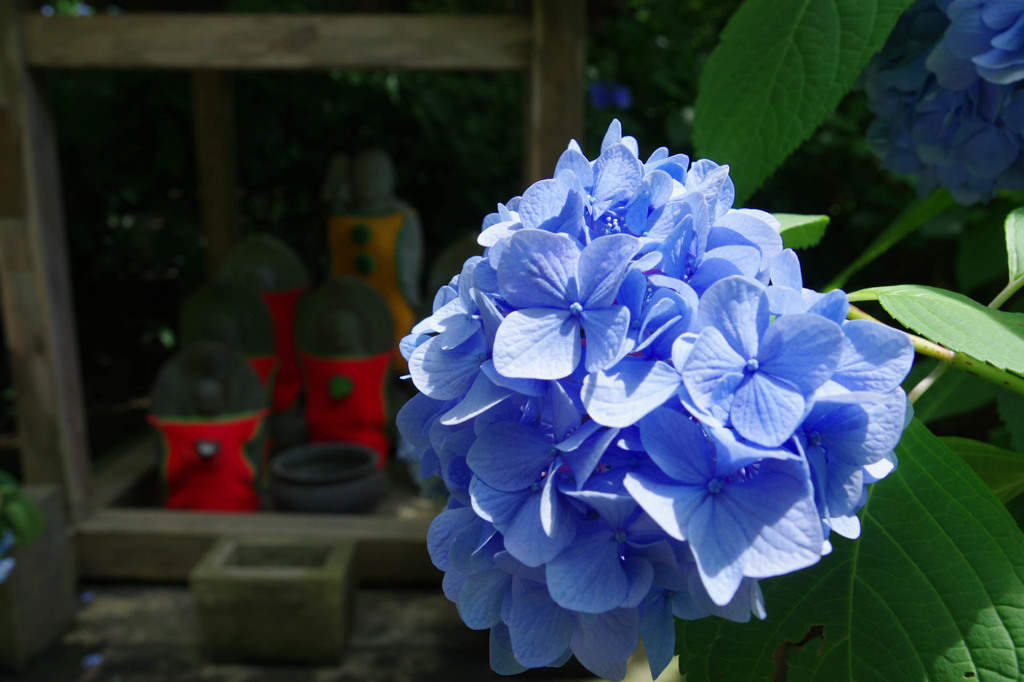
[554,88]
[35,282]
[215,159]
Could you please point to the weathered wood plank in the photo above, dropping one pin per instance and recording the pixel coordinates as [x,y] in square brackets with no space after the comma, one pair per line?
[214,129]
[554,87]
[159,544]
[278,41]
[35,283]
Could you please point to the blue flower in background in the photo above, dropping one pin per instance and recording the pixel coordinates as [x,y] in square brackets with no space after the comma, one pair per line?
[639,411]
[946,93]
[6,562]
[609,94]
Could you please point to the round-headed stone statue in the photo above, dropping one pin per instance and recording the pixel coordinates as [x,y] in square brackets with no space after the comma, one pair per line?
[345,336]
[208,405]
[269,267]
[378,238]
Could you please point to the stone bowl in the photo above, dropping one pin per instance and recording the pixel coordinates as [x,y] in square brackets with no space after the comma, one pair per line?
[327,478]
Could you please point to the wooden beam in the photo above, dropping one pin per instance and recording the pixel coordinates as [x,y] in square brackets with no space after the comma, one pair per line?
[278,41]
[554,88]
[35,283]
[164,545]
[214,130]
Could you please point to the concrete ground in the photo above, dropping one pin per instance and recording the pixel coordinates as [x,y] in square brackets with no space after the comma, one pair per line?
[147,633]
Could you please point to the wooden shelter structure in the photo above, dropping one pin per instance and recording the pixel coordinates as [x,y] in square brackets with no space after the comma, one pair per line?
[547,46]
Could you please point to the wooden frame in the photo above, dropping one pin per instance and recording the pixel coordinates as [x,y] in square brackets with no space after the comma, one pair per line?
[125,543]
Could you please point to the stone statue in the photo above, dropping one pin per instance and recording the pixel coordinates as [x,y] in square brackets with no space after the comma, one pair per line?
[208,405]
[273,270]
[345,338]
[232,314]
[378,238]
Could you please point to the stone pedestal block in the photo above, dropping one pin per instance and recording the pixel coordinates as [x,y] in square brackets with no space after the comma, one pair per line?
[275,599]
[37,602]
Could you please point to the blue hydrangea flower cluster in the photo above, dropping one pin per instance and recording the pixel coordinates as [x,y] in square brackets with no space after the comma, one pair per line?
[639,411]
[946,90]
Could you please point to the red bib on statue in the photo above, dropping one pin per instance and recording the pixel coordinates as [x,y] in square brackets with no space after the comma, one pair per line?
[288,382]
[345,400]
[205,466]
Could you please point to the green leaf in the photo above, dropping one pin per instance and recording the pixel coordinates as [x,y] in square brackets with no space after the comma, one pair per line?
[954,394]
[801,231]
[1011,411]
[1015,243]
[955,321]
[780,69]
[911,219]
[933,590]
[1002,470]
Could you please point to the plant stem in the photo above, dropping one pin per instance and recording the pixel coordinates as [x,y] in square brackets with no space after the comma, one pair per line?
[1008,291]
[926,383]
[950,358]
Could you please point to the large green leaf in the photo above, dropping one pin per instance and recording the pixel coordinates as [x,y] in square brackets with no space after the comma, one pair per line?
[1002,470]
[933,590]
[801,231]
[781,68]
[955,321]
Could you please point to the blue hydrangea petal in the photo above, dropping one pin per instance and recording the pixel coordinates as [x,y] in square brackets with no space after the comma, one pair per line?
[482,396]
[502,659]
[553,206]
[667,219]
[452,584]
[621,396]
[467,541]
[617,174]
[415,417]
[573,161]
[606,330]
[802,349]
[835,305]
[538,269]
[585,458]
[510,456]
[711,361]
[738,309]
[602,265]
[785,270]
[538,343]
[733,453]
[767,410]
[640,575]
[556,516]
[446,374]
[677,445]
[612,136]
[588,575]
[480,599]
[495,506]
[874,357]
[777,510]
[534,388]
[670,505]
[539,630]
[443,530]
[657,628]
[610,636]
[526,540]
